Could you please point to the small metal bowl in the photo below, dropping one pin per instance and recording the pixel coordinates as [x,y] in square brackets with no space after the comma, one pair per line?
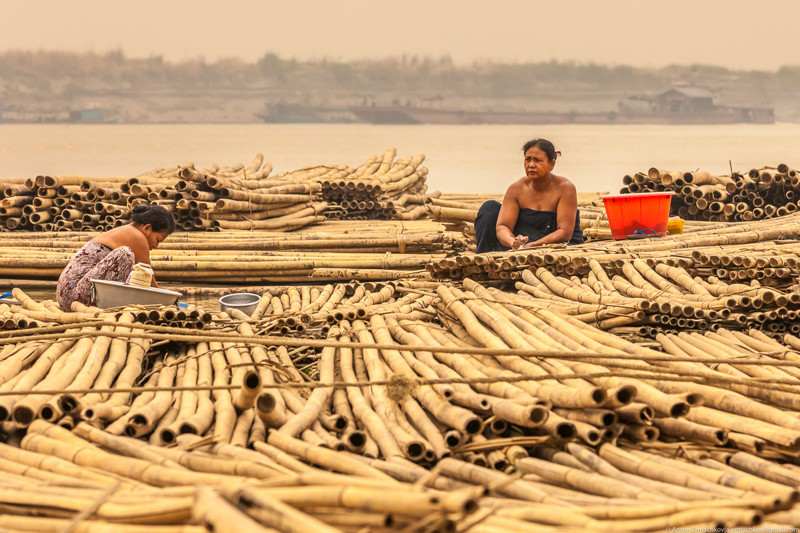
[246,302]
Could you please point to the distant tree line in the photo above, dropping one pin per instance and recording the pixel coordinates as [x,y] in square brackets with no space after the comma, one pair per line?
[59,73]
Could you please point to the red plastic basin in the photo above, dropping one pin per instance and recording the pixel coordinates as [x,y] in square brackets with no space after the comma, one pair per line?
[642,212]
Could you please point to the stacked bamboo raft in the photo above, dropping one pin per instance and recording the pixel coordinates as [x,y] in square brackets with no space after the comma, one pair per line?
[62,202]
[382,188]
[221,197]
[646,299]
[401,406]
[612,386]
[237,196]
[460,210]
[702,248]
[232,197]
[331,250]
[761,193]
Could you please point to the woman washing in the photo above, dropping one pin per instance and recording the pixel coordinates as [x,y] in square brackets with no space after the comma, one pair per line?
[539,208]
[111,255]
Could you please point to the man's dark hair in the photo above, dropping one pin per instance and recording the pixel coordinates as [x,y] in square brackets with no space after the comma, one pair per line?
[542,144]
[159,218]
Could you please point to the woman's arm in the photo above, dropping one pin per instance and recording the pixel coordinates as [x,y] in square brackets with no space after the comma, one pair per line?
[142,255]
[565,217]
[141,252]
[132,238]
[138,244]
[127,236]
[507,219]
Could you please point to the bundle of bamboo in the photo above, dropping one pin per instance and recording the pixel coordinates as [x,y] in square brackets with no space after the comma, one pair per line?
[761,193]
[646,299]
[134,487]
[50,203]
[674,250]
[541,410]
[382,188]
[336,250]
[233,197]
[221,197]
[386,328]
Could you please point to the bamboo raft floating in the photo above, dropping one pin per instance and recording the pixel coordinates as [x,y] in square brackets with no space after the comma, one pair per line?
[332,250]
[380,188]
[646,299]
[702,249]
[761,193]
[401,406]
[520,395]
[221,197]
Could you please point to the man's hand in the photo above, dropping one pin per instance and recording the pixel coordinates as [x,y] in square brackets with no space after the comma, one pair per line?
[519,242]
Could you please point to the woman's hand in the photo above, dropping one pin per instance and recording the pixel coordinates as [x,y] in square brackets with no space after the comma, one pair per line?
[519,242]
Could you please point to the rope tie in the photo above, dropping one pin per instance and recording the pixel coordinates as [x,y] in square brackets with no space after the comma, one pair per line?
[404,385]
[400,387]
[156,332]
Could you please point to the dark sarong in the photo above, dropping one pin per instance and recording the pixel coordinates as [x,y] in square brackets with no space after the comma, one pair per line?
[534,224]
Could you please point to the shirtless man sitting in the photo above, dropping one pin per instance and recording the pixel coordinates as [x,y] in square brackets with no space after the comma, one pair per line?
[539,208]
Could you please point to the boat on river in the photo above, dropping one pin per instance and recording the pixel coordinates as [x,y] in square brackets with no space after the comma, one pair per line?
[288,113]
[680,105]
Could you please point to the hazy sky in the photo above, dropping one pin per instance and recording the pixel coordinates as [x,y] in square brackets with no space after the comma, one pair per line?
[738,34]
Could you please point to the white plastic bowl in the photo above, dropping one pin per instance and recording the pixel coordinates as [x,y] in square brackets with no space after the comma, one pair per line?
[117,294]
[246,302]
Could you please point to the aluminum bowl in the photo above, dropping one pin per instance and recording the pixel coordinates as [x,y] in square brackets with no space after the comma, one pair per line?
[246,302]
[117,294]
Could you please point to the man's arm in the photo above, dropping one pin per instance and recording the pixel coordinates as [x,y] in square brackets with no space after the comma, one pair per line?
[507,219]
[565,218]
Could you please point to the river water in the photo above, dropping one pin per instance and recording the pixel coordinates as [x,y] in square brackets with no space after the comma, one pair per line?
[461,159]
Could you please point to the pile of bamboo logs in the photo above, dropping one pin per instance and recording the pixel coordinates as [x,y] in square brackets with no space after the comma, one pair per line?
[221,197]
[381,188]
[50,203]
[684,250]
[421,406]
[646,300]
[761,193]
[332,250]
[190,316]
[133,487]
[737,277]
[234,197]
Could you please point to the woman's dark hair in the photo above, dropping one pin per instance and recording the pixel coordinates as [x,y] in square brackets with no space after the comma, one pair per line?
[159,218]
[542,144]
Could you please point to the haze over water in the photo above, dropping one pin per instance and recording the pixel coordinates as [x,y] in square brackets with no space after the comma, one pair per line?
[732,33]
[461,159]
